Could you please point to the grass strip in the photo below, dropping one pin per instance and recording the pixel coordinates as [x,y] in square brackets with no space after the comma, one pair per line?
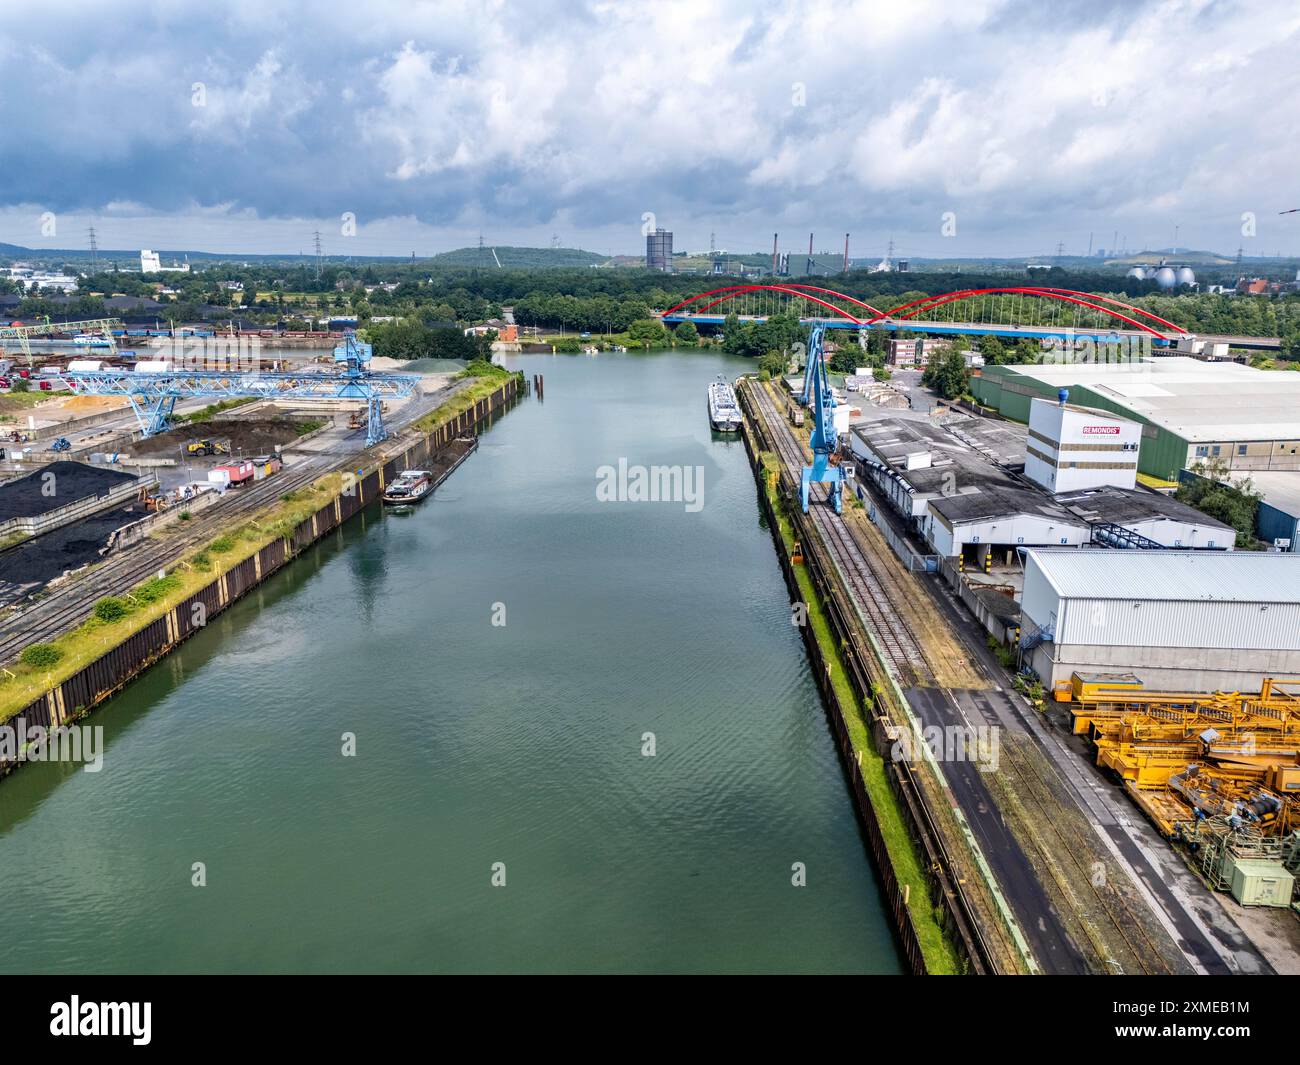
[146,602]
[940,957]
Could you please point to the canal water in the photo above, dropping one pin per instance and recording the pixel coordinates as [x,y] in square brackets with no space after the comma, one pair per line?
[506,656]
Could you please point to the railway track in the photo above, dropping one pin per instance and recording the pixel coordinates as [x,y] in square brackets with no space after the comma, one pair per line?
[873,590]
[52,615]
[874,585]
[1040,795]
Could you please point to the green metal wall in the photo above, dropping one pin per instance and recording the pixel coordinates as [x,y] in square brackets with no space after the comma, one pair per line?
[1001,387]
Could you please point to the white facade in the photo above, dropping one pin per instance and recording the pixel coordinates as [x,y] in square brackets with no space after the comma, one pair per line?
[1185,620]
[840,418]
[151,263]
[30,278]
[1071,448]
[1170,532]
[1018,529]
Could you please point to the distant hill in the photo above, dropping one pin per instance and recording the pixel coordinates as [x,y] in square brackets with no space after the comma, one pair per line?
[1182,255]
[507,257]
[511,258]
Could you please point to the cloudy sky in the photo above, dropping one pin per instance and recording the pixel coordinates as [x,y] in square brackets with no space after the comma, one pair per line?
[246,125]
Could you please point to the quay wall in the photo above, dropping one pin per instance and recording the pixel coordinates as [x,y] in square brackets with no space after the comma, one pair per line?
[83,691]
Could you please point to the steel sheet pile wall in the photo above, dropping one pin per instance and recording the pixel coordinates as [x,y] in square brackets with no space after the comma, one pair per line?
[958,919]
[109,673]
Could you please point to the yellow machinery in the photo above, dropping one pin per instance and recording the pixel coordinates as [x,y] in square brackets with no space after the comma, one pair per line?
[1186,756]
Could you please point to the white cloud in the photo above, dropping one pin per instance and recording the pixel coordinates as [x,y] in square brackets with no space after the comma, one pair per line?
[1034,123]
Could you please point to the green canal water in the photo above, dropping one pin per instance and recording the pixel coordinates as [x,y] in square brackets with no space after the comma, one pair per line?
[476,743]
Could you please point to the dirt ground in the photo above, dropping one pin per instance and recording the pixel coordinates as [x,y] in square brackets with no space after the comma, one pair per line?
[81,406]
[247,436]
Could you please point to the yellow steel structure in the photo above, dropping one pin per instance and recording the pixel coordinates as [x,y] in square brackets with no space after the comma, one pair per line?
[1187,756]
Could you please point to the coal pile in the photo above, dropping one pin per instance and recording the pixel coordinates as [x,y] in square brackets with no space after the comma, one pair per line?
[247,436]
[28,497]
[32,564]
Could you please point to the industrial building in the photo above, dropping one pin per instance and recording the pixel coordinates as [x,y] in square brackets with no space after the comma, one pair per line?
[1277,521]
[1196,621]
[956,488]
[659,250]
[905,352]
[1190,411]
[990,521]
[1072,447]
[151,263]
[1136,517]
[911,462]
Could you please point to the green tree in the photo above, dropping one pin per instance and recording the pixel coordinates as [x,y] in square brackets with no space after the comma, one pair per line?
[412,339]
[1215,493]
[773,364]
[648,332]
[947,375]
[687,335]
[993,350]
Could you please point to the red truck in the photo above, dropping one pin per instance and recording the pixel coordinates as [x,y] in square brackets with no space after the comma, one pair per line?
[231,473]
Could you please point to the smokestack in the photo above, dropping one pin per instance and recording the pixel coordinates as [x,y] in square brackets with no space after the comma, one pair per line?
[774,236]
[808,269]
[846,253]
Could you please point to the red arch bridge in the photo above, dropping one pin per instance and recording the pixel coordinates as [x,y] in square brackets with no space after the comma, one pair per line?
[1032,311]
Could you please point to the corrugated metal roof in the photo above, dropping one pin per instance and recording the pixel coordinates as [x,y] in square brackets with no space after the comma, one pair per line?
[1172,576]
[1199,401]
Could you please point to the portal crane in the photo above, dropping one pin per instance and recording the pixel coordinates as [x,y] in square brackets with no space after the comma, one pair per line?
[153,393]
[825,468]
[89,327]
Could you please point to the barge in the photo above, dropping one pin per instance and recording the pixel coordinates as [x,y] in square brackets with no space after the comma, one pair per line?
[724,410]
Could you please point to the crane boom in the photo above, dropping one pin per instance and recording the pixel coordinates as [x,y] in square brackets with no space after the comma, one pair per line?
[825,468]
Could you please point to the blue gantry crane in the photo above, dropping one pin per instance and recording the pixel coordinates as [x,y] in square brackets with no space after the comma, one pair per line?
[825,467]
[153,393]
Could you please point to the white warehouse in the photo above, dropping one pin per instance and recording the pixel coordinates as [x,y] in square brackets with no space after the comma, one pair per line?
[1180,620]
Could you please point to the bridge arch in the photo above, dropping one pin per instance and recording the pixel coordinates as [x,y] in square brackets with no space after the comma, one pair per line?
[805,292]
[1137,317]
[1105,304]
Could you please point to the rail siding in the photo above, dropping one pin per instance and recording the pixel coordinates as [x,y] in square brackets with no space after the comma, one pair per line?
[957,918]
[108,674]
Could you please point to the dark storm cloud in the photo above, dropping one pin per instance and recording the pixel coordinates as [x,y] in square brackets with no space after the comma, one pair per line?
[1029,122]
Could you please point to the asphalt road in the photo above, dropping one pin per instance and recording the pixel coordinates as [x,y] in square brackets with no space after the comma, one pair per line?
[1052,947]
[1206,934]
